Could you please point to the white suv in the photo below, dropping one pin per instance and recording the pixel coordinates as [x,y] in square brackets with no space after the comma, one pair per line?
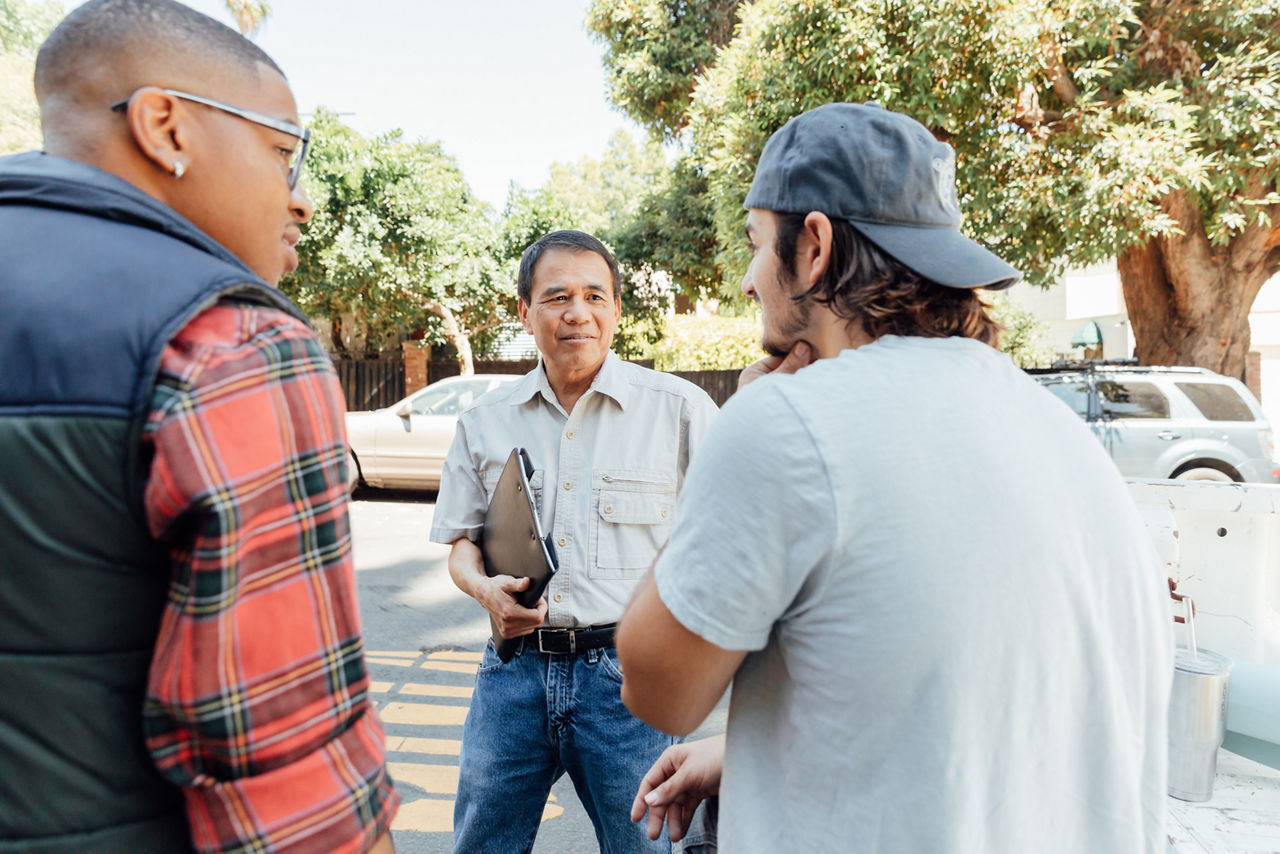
[1159,422]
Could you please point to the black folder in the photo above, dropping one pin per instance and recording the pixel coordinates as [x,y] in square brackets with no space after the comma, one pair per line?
[513,541]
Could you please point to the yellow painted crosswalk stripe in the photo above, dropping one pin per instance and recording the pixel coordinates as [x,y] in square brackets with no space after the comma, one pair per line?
[423,714]
[450,655]
[428,788]
[394,653]
[419,690]
[450,666]
[425,815]
[413,744]
[437,779]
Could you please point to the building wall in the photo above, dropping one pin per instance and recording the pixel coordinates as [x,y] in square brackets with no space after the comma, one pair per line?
[1089,294]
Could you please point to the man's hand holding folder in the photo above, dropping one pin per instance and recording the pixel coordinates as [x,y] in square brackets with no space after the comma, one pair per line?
[510,619]
[518,559]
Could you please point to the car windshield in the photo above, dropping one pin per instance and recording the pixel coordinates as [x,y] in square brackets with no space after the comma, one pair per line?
[448,399]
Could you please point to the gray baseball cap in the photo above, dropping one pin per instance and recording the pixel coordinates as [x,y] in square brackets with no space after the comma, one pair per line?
[885,174]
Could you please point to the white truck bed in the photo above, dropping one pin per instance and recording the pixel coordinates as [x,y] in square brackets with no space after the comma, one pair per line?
[1242,816]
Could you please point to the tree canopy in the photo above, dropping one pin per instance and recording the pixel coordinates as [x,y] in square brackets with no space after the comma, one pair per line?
[397,242]
[23,27]
[1083,129]
[249,15]
[602,196]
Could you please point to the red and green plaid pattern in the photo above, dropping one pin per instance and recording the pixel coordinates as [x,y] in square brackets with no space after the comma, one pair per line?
[257,703]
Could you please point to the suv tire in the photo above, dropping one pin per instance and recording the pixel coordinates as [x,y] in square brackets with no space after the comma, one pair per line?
[1205,473]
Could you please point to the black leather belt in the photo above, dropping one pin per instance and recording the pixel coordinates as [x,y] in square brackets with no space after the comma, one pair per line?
[573,641]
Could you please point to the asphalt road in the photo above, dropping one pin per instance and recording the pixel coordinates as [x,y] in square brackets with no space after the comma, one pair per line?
[424,639]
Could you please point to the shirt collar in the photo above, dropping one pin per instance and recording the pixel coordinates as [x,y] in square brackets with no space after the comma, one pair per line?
[610,381]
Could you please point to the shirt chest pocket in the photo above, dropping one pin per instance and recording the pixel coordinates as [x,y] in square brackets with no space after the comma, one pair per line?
[631,524]
[491,476]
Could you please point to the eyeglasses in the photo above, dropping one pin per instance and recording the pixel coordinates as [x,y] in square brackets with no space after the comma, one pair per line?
[303,134]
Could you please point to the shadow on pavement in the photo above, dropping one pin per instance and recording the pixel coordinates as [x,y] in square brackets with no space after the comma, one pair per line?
[395,496]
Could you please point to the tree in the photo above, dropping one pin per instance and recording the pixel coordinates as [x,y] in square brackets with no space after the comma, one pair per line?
[1083,129]
[1021,335]
[672,233]
[397,241]
[604,193]
[656,49]
[23,27]
[601,196]
[249,15]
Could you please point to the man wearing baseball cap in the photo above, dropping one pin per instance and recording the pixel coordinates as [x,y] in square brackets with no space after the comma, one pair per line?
[941,615]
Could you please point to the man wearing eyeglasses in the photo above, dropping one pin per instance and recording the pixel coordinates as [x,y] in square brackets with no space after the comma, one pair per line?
[181,663]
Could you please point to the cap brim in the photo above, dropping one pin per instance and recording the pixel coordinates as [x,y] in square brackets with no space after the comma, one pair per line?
[942,254]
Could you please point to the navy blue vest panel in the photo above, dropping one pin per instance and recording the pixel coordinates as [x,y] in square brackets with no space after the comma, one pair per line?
[94,272]
[95,279]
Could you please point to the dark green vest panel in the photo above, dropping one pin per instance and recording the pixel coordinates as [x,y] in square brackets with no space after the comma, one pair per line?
[81,593]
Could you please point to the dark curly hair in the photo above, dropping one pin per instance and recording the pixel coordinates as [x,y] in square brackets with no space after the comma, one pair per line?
[865,284]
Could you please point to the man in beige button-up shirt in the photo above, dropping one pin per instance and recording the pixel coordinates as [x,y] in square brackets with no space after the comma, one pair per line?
[610,442]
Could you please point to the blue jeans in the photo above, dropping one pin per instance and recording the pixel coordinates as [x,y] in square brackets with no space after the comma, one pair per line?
[531,720]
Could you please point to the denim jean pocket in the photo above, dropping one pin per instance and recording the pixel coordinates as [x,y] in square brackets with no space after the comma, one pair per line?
[609,665]
[489,661]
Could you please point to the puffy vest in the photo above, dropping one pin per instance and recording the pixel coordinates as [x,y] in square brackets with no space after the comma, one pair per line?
[95,278]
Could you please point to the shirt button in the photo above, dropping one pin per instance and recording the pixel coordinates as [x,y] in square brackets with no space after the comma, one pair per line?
[559,597]
[568,484]
[569,435]
[664,512]
[608,508]
[564,541]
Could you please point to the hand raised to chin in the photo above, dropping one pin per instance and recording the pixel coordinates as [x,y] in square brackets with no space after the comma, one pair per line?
[801,356]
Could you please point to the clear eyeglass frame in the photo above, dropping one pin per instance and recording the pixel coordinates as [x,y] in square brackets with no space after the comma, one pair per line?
[302,134]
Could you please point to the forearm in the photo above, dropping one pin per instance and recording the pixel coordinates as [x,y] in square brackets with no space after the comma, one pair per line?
[466,567]
[673,678]
[495,594]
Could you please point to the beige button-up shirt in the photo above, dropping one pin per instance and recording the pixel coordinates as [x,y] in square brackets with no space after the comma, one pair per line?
[605,476]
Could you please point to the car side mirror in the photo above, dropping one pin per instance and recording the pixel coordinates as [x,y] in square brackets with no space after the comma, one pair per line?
[404,411]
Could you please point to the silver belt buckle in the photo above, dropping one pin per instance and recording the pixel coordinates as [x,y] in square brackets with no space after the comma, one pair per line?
[544,632]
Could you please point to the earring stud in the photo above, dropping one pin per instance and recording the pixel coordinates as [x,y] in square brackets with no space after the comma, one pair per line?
[179,169]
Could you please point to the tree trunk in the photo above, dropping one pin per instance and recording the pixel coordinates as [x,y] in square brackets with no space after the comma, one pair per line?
[456,334]
[1188,301]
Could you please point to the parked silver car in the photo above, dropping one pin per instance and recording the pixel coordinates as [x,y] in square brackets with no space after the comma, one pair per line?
[404,445]
[1167,422]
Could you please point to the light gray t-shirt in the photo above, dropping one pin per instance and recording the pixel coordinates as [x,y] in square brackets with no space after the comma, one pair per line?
[959,627]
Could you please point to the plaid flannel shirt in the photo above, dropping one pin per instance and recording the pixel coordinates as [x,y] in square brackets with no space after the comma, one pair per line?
[257,703]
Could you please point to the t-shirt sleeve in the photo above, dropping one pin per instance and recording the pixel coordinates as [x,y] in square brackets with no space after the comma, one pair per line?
[755,520]
[461,504]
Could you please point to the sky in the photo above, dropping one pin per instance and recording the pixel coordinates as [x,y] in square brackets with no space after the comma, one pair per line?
[505,86]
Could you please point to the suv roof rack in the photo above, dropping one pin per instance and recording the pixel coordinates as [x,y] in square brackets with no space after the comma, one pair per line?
[1127,366]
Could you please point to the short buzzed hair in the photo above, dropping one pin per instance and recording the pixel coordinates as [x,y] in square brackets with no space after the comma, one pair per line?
[118,27]
[569,240]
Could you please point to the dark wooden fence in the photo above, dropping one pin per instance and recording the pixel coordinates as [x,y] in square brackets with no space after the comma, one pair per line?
[719,384]
[374,383]
[370,383]
[438,369]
